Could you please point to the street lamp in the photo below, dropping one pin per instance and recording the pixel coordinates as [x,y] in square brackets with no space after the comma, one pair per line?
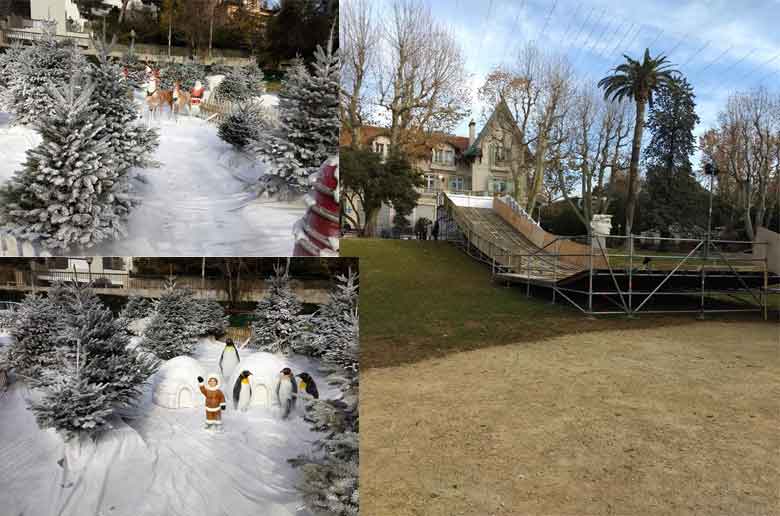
[710,170]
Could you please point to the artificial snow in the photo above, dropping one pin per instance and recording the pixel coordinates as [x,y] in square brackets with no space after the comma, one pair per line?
[158,460]
[199,202]
[265,369]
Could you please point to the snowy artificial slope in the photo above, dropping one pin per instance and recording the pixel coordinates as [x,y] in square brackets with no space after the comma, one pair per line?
[157,461]
[195,204]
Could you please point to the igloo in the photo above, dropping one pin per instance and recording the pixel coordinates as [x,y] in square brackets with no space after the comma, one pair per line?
[176,384]
[265,369]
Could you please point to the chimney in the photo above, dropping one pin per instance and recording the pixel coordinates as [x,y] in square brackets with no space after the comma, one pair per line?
[472,131]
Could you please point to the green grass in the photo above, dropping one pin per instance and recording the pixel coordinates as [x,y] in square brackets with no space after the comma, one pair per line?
[273,86]
[421,300]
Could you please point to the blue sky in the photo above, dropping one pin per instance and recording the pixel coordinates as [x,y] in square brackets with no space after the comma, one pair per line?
[722,46]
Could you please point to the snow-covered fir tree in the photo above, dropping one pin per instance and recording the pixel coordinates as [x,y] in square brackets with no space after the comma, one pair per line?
[97,375]
[328,325]
[330,482]
[184,73]
[137,307]
[241,127]
[233,88]
[172,331]
[69,191]
[209,318]
[132,144]
[309,124]
[37,328]
[277,321]
[48,62]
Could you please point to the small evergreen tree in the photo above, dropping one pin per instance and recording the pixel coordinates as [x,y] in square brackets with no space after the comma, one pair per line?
[171,331]
[233,88]
[185,73]
[241,127]
[330,482]
[328,324]
[37,330]
[210,318]
[277,317]
[309,124]
[137,307]
[69,191]
[48,62]
[130,143]
[93,372]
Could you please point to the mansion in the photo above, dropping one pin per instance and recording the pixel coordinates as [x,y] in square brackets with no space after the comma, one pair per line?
[449,163]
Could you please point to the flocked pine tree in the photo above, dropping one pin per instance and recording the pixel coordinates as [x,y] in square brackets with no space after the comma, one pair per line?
[37,329]
[330,483]
[241,127]
[209,317]
[234,87]
[131,143]
[36,68]
[277,316]
[137,307]
[309,124]
[172,331]
[97,375]
[69,191]
[328,324]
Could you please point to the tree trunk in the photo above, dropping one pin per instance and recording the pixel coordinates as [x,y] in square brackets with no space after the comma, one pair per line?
[746,205]
[633,171]
[370,226]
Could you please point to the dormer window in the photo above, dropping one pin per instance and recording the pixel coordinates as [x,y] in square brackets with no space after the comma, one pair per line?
[381,148]
[444,157]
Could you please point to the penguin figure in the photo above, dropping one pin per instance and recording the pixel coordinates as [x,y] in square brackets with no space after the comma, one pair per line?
[286,392]
[242,391]
[229,359]
[308,385]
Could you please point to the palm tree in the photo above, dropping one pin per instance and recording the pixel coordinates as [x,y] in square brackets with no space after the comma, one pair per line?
[637,81]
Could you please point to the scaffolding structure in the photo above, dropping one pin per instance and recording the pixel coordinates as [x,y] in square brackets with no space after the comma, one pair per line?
[708,276]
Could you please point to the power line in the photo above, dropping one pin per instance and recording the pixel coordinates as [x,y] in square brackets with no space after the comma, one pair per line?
[587,38]
[571,22]
[716,59]
[669,52]
[768,61]
[484,26]
[740,60]
[602,54]
[582,27]
[599,38]
[697,52]
[656,39]
[629,31]
[514,29]
[544,28]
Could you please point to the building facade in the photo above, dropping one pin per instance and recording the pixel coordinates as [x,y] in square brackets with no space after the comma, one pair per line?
[480,162]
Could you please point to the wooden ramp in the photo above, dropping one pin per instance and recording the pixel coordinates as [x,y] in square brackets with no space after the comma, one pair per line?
[506,247]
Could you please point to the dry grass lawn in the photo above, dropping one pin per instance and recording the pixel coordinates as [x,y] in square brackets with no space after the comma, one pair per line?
[680,419]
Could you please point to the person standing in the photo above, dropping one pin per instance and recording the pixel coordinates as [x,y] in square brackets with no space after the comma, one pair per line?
[435,230]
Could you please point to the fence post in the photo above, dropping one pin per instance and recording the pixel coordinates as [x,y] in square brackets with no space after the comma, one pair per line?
[630,274]
[590,276]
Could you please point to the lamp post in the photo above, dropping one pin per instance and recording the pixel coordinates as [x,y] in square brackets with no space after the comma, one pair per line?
[132,41]
[710,170]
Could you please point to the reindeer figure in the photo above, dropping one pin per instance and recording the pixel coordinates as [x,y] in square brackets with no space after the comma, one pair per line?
[156,97]
[180,98]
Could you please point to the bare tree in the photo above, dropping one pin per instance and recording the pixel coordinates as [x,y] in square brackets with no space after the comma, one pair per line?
[359,40]
[596,137]
[744,148]
[421,76]
[535,90]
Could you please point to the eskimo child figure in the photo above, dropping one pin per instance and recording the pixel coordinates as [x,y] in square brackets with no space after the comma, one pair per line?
[215,401]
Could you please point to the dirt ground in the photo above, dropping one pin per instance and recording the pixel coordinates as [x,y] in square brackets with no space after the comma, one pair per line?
[672,420]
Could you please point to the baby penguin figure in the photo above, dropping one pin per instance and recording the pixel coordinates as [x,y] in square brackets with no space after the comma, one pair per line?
[286,392]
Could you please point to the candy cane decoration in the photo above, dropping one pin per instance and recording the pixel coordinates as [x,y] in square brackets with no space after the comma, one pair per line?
[317,233]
